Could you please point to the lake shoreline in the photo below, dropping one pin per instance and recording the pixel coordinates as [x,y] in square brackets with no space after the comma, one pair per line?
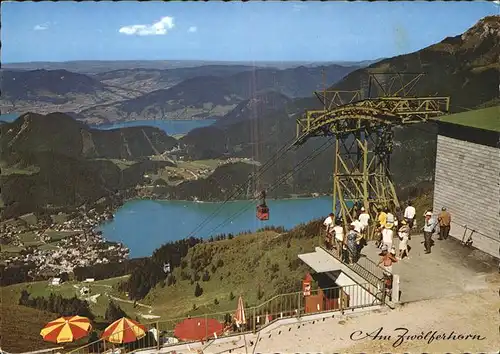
[143,225]
[229,201]
[169,126]
[98,125]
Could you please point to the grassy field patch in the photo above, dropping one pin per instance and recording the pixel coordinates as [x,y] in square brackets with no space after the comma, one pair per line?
[11,249]
[30,170]
[121,164]
[30,219]
[59,235]
[69,289]
[200,164]
[48,247]
[187,170]
[59,218]
[21,332]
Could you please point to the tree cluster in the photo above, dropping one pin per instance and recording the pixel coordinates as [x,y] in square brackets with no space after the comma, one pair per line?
[114,312]
[198,291]
[57,304]
[145,277]
[16,274]
[24,273]
[110,270]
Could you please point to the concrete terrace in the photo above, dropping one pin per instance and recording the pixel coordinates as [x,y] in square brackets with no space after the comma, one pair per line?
[451,269]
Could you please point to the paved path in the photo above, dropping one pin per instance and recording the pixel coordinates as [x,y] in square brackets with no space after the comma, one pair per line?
[129,302]
[450,269]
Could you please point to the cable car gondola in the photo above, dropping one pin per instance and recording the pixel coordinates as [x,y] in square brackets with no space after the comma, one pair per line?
[262,208]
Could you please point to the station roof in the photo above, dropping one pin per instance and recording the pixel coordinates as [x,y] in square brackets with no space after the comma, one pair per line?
[485,118]
[320,262]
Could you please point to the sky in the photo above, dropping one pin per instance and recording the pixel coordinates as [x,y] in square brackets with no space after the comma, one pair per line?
[234,31]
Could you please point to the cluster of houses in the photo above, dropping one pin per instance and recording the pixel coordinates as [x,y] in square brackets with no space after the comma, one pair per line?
[82,247]
[11,231]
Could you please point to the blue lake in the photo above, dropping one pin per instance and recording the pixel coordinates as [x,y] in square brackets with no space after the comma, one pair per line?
[144,225]
[9,117]
[171,127]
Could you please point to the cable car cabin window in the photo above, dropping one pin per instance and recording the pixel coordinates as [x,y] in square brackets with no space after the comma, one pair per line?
[262,212]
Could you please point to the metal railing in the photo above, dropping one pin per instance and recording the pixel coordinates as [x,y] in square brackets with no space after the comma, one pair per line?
[360,264]
[41,351]
[160,334]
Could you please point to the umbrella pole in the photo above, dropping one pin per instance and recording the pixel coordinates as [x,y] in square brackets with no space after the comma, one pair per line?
[158,339]
[245,339]
[206,326]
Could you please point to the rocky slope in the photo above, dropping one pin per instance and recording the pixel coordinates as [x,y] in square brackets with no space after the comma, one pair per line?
[465,67]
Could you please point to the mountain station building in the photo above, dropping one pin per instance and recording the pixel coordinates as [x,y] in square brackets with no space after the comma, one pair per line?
[467,176]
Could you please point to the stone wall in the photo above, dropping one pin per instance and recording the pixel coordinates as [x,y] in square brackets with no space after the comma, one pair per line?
[467,183]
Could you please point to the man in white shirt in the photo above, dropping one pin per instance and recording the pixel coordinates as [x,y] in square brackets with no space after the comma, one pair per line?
[357,225]
[410,214]
[387,236]
[339,236]
[328,224]
[364,218]
[390,218]
[429,228]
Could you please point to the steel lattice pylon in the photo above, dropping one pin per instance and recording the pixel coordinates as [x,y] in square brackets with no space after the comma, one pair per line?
[363,128]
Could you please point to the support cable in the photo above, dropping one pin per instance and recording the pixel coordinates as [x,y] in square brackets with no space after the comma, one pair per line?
[280,180]
[241,188]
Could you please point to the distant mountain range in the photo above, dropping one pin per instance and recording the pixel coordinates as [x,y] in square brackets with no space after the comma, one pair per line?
[147,80]
[189,93]
[214,96]
[101,66]
[45,91]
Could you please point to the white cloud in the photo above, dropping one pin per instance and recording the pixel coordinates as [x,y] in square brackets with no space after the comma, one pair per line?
[42,26]
[156,29]
[193,29]
[298,7]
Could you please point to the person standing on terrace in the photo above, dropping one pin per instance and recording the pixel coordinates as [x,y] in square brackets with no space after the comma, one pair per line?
[429,228]
[444,219]
[339,237]
[409,214]
[403,234]
[387,259]
[382,217]
[352,245]
[387,236]
[328,224]
[364,219]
